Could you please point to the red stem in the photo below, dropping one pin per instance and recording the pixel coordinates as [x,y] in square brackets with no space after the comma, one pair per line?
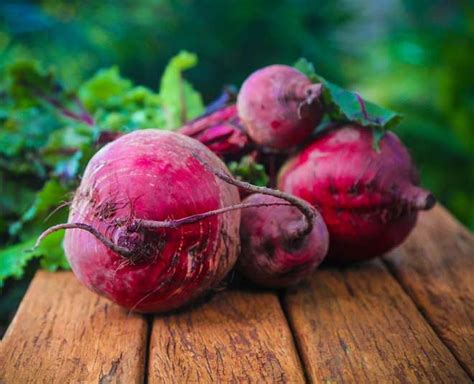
[84,116]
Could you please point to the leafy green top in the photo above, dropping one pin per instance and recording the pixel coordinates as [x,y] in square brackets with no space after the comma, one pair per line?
[347,106]
[249,170]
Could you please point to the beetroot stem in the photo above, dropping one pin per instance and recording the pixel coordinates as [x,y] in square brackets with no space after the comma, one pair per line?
[302,205]
[149,224]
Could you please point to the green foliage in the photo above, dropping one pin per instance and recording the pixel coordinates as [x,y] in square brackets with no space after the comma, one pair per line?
[24,131]
[118,105]
[180,101]
[47,199]
[347,106]
[106,87]
[249,170]
[14,259]
[28,80]
[16,196]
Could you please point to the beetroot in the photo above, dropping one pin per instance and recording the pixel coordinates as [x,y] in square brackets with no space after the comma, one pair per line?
[272,254]
[279,106]
[281,244]
[128,243]
[368,199]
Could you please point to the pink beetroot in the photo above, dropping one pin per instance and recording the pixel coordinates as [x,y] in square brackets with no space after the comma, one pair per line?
[279,106]
[368,199]
[127,241]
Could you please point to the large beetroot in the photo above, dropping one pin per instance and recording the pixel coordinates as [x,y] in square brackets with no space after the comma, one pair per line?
[127,242]
[369,199]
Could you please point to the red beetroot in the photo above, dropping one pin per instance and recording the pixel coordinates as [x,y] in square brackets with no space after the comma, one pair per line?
[368,199]
[273,254]
[125,252]
[279,106]
[283,244]
[221,131]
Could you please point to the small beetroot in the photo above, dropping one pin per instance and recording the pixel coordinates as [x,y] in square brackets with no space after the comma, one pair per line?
[279,106]
[273,254]
[281,243]
[369,199]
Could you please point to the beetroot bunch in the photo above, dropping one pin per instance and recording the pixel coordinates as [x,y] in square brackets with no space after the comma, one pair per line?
[360,178]
[158,219]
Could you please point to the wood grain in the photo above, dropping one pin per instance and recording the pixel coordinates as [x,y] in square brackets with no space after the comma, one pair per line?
[357,325]
[62,333]
[236,337]
[436,267]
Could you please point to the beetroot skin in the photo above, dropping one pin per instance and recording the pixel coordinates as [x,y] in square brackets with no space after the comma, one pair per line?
[152,175]
[368,199]
[270,254]
[279,106]
[283,237]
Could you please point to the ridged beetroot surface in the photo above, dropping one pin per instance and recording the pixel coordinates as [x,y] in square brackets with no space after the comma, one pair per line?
[368,199]
[152,175]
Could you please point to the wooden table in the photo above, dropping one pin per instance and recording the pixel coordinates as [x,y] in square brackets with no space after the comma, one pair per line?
[408,317]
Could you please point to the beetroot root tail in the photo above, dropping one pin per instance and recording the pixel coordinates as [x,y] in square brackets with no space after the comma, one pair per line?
[419,198]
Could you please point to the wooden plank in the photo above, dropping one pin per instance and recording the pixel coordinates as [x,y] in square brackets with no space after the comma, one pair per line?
[436,267]
[357,325]
[62,333]
[235,337]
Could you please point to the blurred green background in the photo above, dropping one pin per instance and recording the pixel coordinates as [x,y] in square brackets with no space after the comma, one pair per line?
[416,57]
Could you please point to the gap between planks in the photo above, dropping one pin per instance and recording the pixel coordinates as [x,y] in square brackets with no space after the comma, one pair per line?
[293,334]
